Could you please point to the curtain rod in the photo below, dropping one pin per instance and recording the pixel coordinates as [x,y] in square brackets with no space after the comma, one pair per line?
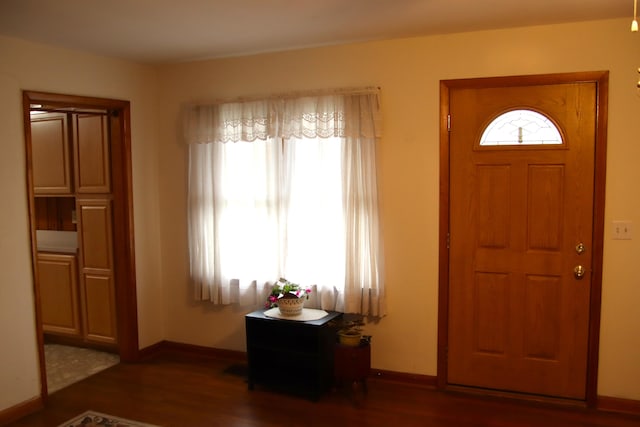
[294,94]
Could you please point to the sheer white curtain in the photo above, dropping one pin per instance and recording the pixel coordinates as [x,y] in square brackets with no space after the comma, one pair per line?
[286,187]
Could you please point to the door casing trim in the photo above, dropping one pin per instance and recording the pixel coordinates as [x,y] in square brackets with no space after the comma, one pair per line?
[124,248]
[601,79]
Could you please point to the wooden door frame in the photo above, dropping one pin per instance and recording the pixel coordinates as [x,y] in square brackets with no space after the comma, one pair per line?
[124,249]
[601,79]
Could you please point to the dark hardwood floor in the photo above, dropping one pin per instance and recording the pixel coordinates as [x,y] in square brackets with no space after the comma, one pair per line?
[172,390]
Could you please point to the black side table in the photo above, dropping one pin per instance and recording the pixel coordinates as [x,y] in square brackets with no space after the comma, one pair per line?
[291,355]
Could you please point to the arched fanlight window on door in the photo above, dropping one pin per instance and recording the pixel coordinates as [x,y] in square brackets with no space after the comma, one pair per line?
[521,127]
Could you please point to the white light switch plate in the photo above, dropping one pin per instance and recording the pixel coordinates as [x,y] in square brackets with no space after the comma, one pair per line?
[622,230]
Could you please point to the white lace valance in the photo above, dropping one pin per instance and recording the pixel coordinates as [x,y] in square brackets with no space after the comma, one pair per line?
[343,114]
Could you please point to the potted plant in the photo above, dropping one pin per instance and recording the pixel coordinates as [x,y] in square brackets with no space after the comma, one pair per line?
[289,297]
[350,331]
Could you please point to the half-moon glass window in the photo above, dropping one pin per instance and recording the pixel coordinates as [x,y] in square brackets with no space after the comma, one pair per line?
[521,127]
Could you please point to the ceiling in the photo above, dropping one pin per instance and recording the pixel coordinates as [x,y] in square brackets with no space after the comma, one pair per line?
[161,31]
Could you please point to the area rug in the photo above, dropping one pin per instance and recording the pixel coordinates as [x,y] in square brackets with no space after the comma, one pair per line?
[96,419]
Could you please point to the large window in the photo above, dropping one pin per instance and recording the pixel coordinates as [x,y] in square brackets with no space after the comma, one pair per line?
[286,187]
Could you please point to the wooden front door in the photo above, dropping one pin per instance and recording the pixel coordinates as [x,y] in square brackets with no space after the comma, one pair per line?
[518,302]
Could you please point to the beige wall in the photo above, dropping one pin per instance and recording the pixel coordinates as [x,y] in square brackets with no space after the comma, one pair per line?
[409,71]
[37,67]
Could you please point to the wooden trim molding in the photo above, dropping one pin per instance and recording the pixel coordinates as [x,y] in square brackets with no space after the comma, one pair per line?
[26,113]
[191,350]
[20,410]
[150,352]
[443,241]
[198,352]
[602,81]
[424,381]
[616,404]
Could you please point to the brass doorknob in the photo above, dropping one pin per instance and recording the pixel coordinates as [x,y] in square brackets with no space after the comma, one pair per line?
[579,272]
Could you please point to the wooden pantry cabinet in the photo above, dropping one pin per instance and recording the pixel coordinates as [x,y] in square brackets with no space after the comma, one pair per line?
[70,154]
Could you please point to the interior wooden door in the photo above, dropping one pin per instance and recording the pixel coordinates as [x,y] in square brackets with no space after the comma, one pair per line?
[519,286]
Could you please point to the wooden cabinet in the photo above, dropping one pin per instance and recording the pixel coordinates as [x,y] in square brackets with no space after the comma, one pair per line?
[96,270]
[352,365]
[71,158]
[291,355]
[58,286]
[57,170]
[50,154]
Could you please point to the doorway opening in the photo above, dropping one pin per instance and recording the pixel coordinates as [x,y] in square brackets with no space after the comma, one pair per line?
[79,184]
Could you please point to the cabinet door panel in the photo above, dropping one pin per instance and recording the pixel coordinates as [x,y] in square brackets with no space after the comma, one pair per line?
[99,308]
[95,233]
[58,288]
[96,267]
[50,154]
[91,148]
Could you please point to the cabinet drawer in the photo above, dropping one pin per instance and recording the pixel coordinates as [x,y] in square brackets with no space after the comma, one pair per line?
[282,336]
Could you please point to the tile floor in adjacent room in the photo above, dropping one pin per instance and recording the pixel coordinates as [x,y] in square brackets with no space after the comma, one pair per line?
[66,365]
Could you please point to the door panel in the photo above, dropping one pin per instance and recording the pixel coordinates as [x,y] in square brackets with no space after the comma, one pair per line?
[518,317]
